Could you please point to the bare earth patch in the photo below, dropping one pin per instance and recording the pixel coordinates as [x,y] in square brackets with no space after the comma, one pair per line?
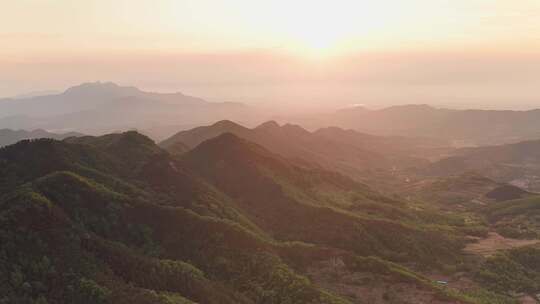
[527,300]
[494,242]
[362,288]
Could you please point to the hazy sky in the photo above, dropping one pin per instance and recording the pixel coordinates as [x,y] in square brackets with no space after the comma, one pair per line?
[468,52]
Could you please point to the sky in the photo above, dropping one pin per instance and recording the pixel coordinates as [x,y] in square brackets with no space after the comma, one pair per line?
[461,53]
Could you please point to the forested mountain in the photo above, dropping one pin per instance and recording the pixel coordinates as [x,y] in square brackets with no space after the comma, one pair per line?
[346,151]
[8,137]
[116,219]
[269,152]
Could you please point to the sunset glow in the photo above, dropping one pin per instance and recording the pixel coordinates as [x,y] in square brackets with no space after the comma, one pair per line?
[37,26]
[194,43]
[269,151]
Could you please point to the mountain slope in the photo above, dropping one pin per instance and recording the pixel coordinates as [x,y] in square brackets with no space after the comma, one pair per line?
[94,237]
[345,151]
[297,203]
[116,219]
[519,218]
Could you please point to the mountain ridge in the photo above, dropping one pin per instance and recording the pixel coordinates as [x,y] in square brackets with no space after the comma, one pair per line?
[9,137]
[346,151]
[104,107]
[463,127]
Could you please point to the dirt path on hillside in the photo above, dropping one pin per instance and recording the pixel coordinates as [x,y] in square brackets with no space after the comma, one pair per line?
[494,242]
[527,300]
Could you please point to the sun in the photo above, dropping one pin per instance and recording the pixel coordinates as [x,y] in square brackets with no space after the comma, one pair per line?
[321,43]
[316,40]
[327,28]
[318,29]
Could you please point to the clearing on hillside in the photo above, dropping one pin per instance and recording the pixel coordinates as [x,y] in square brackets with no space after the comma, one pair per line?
[494,242]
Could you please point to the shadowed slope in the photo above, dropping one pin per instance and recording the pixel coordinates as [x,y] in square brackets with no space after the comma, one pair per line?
[348,152]
[288,200]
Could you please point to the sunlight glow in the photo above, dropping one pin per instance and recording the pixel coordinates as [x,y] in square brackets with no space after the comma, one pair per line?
[303,27]
[322,28]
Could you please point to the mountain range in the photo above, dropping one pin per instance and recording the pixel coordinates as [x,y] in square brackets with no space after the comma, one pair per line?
[8,137]
[117,219]
[346,151]
[459,127]
[219,212]
[104,107]
[96,108]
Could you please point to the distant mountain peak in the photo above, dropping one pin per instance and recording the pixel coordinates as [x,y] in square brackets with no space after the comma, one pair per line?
[99,87]
[337,131]
[288,128]
[295,129]
[269,125]
[232,148]
[127,137]
[225,124]
[356,109]
[412,107]
[134,135]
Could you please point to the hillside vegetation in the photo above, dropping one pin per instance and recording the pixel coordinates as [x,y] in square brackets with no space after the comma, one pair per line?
[116,219]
